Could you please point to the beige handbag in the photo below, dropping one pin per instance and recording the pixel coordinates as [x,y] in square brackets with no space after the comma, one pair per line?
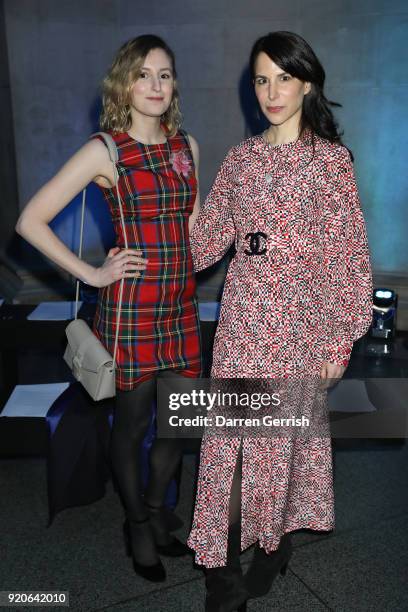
[90,362]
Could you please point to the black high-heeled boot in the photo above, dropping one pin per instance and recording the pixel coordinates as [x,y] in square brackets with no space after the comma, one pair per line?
[265,567]
[226,590]
[154,573]
[173,547]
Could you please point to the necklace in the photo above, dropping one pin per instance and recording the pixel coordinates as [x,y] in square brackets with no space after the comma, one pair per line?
[269,175]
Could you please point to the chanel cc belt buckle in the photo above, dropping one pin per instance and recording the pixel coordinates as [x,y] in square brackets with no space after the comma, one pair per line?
[255,243]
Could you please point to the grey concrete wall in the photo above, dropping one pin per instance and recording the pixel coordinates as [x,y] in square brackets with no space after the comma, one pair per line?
[59,51]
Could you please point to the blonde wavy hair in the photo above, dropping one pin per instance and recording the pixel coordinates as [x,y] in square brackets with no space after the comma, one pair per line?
[124,71]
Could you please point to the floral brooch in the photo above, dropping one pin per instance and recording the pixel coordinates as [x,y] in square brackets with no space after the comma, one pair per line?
[181,163]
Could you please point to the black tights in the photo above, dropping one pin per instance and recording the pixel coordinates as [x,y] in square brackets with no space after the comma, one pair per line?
[235,496]
[131,420]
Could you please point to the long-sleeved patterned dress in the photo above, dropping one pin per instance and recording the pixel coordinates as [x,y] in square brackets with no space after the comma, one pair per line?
[303,301]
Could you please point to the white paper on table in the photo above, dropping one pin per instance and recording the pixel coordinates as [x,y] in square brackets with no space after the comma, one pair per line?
[54,311]
[32,400]
[350,396]
[209,311]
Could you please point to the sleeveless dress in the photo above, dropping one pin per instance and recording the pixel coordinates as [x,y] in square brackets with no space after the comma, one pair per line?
[159,323]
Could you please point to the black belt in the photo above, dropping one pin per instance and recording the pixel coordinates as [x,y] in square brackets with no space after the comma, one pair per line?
[257,246]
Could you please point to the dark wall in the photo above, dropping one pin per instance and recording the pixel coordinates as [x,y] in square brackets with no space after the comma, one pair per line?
[58,53]
[9,205]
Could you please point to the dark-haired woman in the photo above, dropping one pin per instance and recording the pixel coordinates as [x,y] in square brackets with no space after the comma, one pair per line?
[159,328]
[295,299]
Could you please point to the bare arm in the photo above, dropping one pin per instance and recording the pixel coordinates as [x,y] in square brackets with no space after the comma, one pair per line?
[196,157]
[90,163]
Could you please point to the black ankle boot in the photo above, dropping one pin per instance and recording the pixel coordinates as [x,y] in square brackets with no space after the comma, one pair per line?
[264,568]
[172,546]
[131,532]
[226,590]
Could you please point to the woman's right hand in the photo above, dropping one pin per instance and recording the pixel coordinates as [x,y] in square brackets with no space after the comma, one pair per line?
[119,263]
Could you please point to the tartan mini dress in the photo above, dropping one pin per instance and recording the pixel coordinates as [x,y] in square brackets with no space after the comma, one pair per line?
[159,323]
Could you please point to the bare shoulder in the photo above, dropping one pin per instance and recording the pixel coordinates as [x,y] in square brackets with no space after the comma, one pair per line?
[97,149]
[89,160]
[194,146]
[96,155]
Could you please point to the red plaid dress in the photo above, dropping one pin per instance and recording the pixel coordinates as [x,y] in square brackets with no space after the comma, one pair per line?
[159,325]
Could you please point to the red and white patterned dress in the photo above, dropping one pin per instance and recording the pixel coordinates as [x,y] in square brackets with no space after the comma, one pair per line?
[283,313]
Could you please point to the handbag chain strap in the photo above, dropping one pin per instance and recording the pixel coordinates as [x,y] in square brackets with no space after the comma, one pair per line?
[113,154]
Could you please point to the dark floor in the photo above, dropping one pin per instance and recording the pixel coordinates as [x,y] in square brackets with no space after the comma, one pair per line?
[361,567]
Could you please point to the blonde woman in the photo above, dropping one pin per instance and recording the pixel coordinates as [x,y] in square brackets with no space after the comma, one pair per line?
[159,328]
